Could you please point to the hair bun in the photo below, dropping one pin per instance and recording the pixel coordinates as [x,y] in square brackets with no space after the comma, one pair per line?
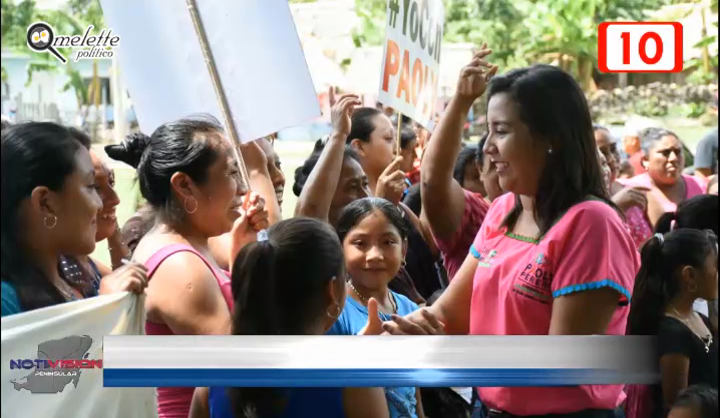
[131,150]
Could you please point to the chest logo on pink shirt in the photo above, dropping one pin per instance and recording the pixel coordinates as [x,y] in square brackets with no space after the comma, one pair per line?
[485,259]
[535,281]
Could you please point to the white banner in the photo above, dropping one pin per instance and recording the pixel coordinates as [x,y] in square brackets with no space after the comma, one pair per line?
[52,359]
[256,49]
[411,59]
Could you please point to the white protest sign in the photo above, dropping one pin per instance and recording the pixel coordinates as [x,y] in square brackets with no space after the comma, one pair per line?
[71,332]
[256,50]
[411,59]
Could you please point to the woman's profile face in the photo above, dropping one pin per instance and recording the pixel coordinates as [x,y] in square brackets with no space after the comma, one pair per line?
[78,205]
[666,161]
[379,151]
[517,157]
[274,168]
[608,148]
[105,183]
[352,186]
[216,205]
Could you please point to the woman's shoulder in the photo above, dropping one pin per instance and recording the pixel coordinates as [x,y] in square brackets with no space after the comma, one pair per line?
[641,180]
[499,209]
[695,186]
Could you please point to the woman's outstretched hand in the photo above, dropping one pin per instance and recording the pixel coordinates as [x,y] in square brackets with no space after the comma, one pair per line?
[420,322]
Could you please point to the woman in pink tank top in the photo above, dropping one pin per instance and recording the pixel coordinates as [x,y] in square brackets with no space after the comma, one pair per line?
[664,161]
[189,176]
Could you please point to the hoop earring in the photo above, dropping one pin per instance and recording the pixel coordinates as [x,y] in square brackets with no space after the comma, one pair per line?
[185,205]
[403,263]
[692,288]
[336,313]
[54,221]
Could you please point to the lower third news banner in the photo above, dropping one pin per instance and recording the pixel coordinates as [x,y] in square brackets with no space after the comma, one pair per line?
[368,361]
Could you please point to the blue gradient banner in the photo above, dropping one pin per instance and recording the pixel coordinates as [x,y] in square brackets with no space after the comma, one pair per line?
[342,361]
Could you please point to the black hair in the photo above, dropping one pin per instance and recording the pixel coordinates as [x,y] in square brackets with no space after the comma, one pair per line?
[406,137]
[362,124]
[186,145]
[356,211]
[34,154]
[279,287]
[649,137]
[572,171]
[479,155]
[466,156]
[699,212]
[302,173]
[702,398]
[657,283]
[598,127]
[413,199]
[4,124]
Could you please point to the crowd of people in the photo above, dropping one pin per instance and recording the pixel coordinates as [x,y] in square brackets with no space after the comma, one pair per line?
[539,229]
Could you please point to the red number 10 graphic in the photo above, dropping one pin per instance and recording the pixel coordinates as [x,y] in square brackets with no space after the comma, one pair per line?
[630,47]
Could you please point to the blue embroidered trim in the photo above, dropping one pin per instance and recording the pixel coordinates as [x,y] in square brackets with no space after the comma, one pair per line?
[475,253]
[592,286]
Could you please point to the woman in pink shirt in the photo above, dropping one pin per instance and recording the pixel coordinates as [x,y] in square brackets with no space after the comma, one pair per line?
[664,161]
[541,263]
[188,174]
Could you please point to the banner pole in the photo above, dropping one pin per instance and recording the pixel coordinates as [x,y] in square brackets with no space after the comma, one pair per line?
[399,129]
[219,91]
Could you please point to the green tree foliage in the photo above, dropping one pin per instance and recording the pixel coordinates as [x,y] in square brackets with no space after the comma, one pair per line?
[521,32]
[73,19]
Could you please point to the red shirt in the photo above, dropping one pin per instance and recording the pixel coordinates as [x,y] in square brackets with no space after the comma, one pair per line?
[456,249]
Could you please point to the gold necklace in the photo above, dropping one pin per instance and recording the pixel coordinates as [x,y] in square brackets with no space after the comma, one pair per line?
[707,341]
[365,301]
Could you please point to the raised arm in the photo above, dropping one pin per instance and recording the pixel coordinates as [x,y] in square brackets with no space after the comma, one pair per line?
[260,181]
[443,199]
[317,194]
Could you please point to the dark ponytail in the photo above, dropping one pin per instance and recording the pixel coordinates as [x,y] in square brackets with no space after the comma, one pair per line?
[280,288]
[131,150]
[699,212]
[657,281]
[187,146]
[665,223]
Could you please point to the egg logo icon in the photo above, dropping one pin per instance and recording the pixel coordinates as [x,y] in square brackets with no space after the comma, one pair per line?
[40,38]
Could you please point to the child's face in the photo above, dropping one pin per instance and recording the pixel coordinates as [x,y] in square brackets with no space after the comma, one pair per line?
[373,251]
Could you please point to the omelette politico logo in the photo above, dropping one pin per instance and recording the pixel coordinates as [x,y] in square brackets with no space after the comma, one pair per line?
[41,37]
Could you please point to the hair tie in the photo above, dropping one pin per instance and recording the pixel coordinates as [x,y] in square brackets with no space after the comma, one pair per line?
[262,235]
[660,238]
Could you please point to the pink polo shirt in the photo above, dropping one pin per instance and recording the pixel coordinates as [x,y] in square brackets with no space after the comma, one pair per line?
[517,279]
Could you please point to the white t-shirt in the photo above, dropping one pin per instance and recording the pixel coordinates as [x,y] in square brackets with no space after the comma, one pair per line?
[701,306]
